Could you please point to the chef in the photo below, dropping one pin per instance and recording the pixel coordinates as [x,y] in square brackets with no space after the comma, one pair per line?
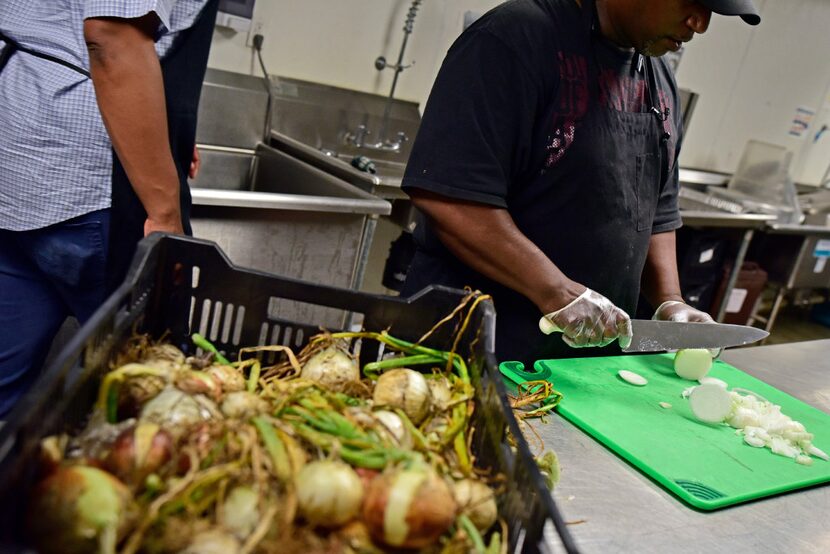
[545,168]
[98,102]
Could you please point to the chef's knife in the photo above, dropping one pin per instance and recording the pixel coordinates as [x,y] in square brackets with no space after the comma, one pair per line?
[659,336]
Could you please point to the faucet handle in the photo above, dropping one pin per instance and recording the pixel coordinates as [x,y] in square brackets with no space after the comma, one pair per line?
[402,137]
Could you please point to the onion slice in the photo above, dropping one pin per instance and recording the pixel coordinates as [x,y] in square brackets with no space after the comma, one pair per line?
[692,363]
[632,378]
[710,403]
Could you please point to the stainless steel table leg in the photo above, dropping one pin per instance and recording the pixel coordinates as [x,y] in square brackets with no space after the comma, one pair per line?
[733,276]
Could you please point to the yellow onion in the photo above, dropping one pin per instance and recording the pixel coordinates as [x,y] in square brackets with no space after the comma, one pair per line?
[79,509]
[243,405]
[139,451]
[406,390]
[240,512]
[408,508]
[392,426]
[175,410]
[441,392]
[332,367]
[229,378]
[329,493]
[477,501]
[165,352]
[214,541]
[198,382]
[135,392]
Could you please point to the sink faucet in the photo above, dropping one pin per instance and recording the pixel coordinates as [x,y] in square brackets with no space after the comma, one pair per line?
[358,137]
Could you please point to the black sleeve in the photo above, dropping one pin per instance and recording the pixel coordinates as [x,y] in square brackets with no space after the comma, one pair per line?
[667,217]
[476,132]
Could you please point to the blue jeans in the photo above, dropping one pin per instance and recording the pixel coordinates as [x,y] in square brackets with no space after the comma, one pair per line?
[46,275]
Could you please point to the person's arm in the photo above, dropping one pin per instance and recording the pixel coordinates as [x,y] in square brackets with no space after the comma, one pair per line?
[126,73]
[486,239]
[660,281]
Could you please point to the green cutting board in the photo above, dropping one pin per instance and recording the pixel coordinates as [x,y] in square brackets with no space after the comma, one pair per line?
[707,466]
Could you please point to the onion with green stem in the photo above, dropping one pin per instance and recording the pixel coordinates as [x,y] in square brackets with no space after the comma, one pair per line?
[408,508]
[79,509]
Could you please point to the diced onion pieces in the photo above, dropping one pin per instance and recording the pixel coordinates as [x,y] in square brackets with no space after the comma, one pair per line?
[632,378]
[692,363]
[710,403]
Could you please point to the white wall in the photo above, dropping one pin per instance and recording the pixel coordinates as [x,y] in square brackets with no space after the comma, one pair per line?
[750,79]
[336,42]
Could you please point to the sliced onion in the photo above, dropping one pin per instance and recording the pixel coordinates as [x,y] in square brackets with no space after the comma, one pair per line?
[710,403]
[632,378]
[692,363]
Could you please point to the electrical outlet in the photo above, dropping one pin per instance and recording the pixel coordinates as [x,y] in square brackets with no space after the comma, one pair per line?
[256,29]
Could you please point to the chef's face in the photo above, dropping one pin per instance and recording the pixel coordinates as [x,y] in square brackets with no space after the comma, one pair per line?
[654,27]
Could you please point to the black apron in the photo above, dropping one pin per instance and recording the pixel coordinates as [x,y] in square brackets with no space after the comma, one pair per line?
[606,186]
[183,69]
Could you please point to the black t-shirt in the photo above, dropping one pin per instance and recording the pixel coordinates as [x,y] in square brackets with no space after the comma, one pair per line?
[503,113]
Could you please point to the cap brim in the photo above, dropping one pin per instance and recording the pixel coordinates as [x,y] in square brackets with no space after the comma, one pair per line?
[744,8]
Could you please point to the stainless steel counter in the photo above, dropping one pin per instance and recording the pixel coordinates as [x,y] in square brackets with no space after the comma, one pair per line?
[615,508]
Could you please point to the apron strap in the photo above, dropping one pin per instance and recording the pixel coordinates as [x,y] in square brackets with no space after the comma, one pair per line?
[13,46]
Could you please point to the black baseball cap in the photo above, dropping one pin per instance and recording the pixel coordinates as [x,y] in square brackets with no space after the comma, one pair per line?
[745,8]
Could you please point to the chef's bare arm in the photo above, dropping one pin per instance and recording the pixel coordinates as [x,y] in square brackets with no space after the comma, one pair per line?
[128,84]
[486,239]
[660,281]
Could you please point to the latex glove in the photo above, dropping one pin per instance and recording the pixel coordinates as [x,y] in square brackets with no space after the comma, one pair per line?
[590,320]
[674,310]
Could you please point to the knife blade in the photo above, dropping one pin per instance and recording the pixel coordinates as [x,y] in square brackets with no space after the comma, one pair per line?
[658,336]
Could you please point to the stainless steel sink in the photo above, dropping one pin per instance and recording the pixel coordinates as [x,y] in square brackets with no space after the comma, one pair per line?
[386,183]
[270,211]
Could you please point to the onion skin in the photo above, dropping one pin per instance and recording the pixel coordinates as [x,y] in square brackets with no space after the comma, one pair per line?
[71,509]
[135,392]
[431,508]
[405,389]
[139,451]
[332,368]
[477,501]
[243,405]
[199,382]
[229,378]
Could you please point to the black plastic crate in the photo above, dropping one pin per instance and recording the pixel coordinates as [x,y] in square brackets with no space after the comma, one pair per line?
[180,285]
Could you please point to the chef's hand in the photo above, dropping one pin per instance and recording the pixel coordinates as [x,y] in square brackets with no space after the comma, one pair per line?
[590,320]
[673,310]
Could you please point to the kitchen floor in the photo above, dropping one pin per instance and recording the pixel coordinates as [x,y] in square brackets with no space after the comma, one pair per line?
[794,324]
